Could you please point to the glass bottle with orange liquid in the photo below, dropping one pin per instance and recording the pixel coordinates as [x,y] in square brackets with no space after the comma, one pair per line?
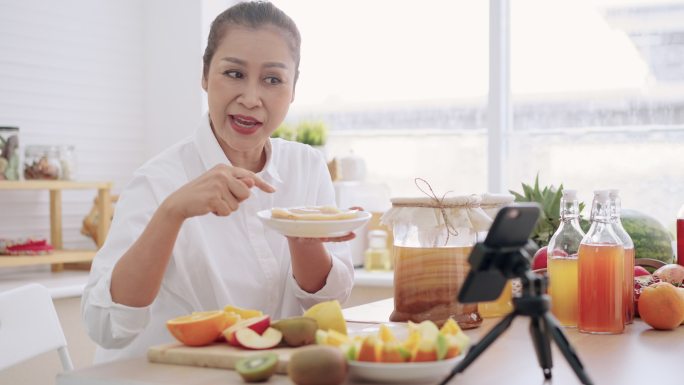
[601,264]
[562,261]
[630,254]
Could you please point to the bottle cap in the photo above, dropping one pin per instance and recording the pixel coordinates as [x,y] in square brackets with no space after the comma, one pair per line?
[569,194]
[377,239]
[601,196]
[614,193]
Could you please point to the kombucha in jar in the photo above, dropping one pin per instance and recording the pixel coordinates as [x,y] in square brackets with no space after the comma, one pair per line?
[432,242]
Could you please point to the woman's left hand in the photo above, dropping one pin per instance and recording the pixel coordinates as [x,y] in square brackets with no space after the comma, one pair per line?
[311,262]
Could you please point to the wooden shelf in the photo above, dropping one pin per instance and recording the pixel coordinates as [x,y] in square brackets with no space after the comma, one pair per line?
[61,256]
[58,256]
[52,185]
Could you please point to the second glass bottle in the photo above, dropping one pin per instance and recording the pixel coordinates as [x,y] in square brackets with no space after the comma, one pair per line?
[628,244]
[601,261]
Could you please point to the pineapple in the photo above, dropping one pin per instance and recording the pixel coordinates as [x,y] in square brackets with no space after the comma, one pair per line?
[549,199]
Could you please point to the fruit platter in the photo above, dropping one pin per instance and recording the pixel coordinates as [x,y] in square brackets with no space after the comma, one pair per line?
[317,343]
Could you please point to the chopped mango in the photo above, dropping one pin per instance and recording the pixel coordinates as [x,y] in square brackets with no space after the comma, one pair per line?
[450,327]
[386,334]
[329,316]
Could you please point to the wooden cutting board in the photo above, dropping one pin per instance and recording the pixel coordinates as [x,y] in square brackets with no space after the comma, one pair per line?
[218,355]
[224,356]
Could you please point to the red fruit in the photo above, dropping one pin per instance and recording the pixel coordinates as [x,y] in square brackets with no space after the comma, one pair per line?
[639,271]
[671,273]
[257,324]
[539,260]
[639,284]
[250,339]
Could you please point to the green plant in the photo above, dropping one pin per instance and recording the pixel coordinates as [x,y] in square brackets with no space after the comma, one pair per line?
[284,131]
[314,133]
[549,199]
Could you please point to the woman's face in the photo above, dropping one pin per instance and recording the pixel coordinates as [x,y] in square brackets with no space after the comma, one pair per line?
[250,85]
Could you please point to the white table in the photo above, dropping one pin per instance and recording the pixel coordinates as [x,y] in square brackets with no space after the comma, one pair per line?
[639,356]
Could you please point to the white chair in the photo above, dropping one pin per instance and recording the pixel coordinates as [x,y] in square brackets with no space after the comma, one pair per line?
[29,326]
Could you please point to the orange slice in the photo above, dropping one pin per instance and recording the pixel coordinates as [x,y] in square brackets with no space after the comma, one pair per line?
[198,328]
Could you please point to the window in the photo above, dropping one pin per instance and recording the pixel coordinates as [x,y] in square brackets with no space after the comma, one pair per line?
[597,89]
[598,99]
[401,84]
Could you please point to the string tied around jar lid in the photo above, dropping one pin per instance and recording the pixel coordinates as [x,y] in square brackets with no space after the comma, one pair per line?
[439,203]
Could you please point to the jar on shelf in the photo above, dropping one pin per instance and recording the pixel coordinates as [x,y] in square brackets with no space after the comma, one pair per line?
[68,162]
[432,242]
[42,162]
[9,153]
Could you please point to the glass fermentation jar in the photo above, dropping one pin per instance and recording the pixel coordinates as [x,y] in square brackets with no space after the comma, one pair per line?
[42,162]
[68,162]
[432,241]
[9,153]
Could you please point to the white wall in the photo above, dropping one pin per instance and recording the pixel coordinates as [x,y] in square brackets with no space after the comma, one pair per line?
[119,79]
[173,71]
[72,72]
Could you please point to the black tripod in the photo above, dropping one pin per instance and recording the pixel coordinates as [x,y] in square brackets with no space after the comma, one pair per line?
[535,304]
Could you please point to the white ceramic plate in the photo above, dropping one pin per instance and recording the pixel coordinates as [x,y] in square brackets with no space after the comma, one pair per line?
[314,229]
[410,372]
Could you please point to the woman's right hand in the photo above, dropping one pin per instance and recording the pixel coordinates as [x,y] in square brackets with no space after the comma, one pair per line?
[219,190]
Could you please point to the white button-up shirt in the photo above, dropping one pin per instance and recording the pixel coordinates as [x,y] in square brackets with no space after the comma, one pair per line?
[216,261]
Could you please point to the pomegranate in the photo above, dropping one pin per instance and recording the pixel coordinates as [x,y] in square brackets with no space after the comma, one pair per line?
[639,284]
[671,273]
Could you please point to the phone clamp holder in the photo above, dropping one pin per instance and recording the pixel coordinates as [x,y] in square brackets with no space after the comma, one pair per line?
[532,303]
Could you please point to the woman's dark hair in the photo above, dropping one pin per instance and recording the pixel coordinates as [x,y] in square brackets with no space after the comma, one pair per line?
[252,14]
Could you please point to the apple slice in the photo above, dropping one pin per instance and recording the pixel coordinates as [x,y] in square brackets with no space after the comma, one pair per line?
[250,339]
[256,324]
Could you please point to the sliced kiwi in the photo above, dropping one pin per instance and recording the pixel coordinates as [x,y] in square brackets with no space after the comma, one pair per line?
[257,368]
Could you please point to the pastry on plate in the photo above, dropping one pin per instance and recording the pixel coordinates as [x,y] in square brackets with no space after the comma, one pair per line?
[314,213]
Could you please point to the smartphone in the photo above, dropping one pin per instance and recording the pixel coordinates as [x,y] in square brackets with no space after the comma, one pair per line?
[498,258]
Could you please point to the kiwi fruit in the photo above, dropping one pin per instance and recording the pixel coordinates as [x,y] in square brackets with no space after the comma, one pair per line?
[257,368]
[297,331]
[317,365]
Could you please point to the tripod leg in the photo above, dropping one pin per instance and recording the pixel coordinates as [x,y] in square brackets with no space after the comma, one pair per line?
[539,331]
[567,350]
[480,347]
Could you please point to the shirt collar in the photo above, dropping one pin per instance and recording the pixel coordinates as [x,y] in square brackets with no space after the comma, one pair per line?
[211,153]
[270,166]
